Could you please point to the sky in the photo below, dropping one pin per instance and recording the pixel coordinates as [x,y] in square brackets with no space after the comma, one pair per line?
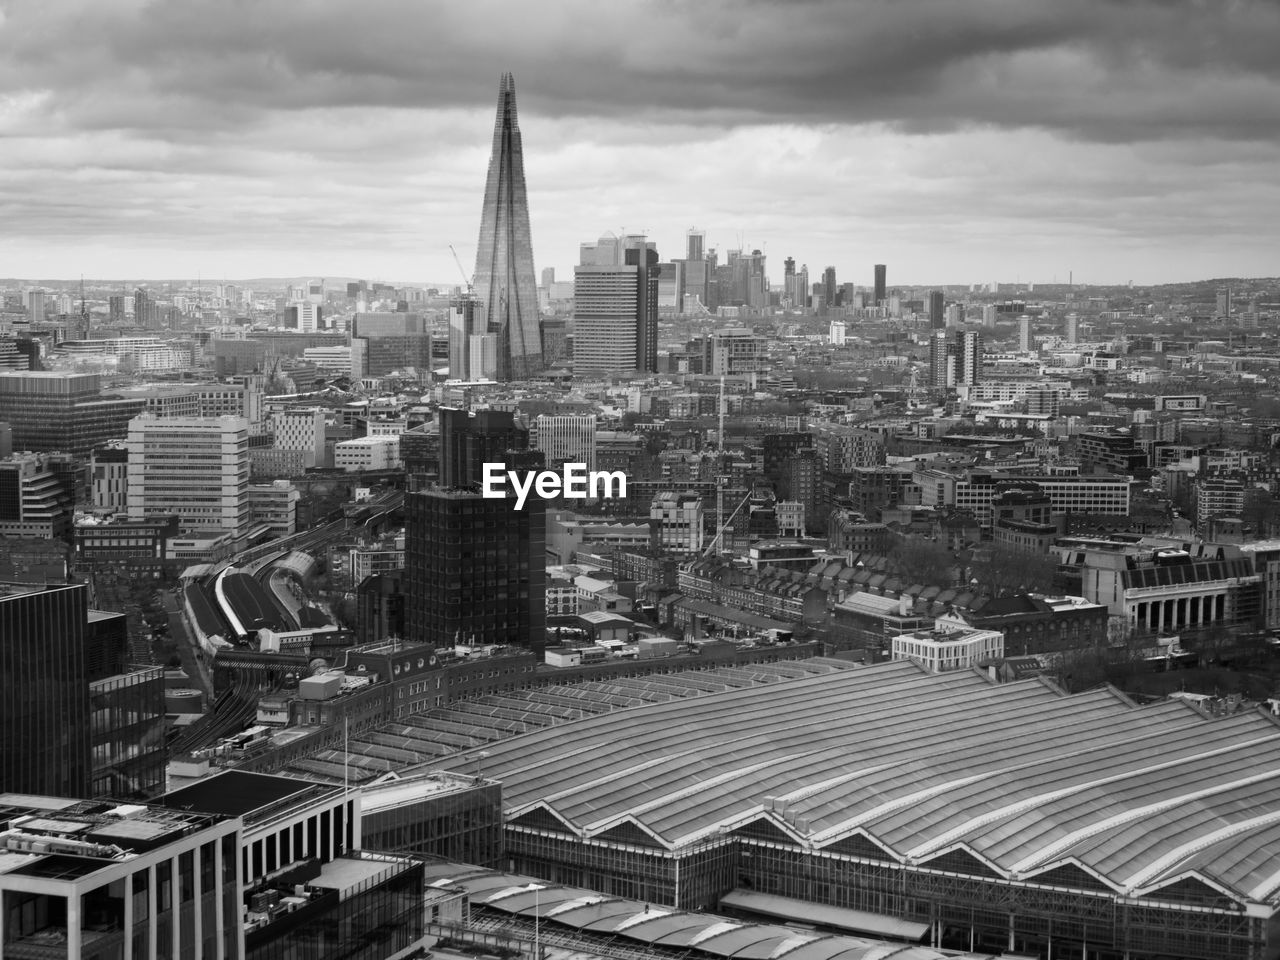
[957,141]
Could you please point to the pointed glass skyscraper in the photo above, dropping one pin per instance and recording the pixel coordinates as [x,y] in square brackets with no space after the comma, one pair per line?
[504,283]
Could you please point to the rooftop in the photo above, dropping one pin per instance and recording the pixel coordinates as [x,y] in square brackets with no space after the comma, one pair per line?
[1019,777]
[236,793]
[57,838]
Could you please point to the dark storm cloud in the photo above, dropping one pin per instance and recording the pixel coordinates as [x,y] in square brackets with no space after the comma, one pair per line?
[1093,69]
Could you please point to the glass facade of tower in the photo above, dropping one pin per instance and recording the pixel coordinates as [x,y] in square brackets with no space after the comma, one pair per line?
[44,685]
[127,721]
[506,286]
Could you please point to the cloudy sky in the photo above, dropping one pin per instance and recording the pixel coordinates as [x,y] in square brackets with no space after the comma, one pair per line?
[955,140]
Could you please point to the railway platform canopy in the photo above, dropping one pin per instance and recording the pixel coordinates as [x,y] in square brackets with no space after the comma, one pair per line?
[1017,782]
[660,931]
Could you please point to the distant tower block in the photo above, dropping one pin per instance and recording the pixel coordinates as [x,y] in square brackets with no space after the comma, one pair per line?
[505,282]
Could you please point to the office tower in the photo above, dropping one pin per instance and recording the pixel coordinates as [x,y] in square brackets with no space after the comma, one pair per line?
[44,702]
[62,411]
[748,286]
[937,301]
[1073,329]
[505,283]
[670,289]
[565,438]
[548,276]
[194,467]
[644,257]
[1024,334]
[59,664]
[697,281]
[237,357]
[696,242]
[475,566]
[615,306]
[880,284]
[386,343]
[803,289]
[606,306]
[35,305]
[116,310]
[1224,302]
[470,440]
[955,358]
[829,286]
[305,316]
[34,502]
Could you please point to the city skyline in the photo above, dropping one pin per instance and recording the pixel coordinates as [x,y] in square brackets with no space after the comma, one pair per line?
[956,144]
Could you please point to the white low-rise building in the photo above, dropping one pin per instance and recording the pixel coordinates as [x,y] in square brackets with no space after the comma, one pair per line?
[367,453]
[940,650]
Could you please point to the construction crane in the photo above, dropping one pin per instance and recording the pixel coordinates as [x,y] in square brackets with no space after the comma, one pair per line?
[722,479]
[717,541]
[465,281]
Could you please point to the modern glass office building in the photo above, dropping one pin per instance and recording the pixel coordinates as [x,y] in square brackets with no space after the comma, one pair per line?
[44,685]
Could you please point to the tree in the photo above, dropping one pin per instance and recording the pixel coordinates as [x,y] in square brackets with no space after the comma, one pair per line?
[917,560]
[1001,571]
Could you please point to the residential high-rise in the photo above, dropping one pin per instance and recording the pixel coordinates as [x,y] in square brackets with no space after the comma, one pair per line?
[566,438]
[194,467]
[1024,334]
[880,293]
[802,288]
[475,566]
[1073,329]
[35,305]
[145,312]
[937,301]
[109,478]
[955,358]
[116,309]
[505,283]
